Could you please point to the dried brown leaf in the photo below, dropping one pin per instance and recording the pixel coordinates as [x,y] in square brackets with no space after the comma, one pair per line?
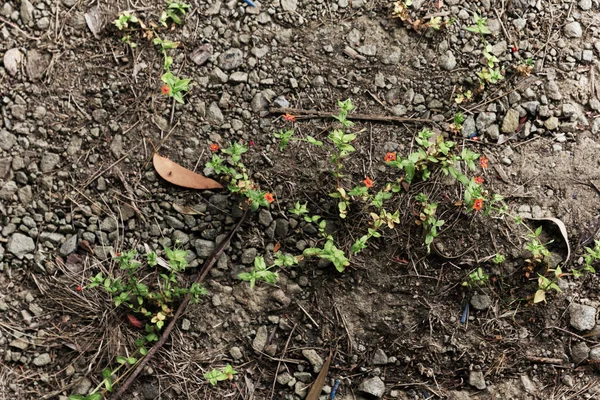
[563,231]
[177,175]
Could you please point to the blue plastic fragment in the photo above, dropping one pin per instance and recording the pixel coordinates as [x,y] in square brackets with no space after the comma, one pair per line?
[465,314]
[250,3]
[336,385]
[472,135]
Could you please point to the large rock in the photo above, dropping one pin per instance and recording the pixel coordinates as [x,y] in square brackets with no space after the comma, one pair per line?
[582,318]
[49,162]
[573,30]
[231,59]
[19,245]
[12,59]
[373,387]
[511,121]
[214,116]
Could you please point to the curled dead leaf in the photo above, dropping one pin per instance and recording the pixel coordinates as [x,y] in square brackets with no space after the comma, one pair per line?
[180,176]
[136,323]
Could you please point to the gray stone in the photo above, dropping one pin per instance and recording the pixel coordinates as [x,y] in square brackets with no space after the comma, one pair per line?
[493,132]
[587,55]
[214,116]
[174,222]
[570,110]
[7,140]
[380,358]
[260,340]
[481,301]
[447,61]
[367,50]
[8,190]
[83,387]
[43,23]
[373,387]
[69,246]
[116,146]
[204,248]
[284,379]
[484,120]
[264,217]
[202,53]
[573,30]
[585,5]
[19,245]
[19,343]
[300,389]
[248,256]
[553,91]
[26,12]
[289,5]
[580,352]
[476,379]
[314,359]
[103,252]
[469,128]
[12,59]
[238,77]
[109,224]
[528,384]
[231,59]
[186,324]
[511,121]
[25,195]
[531,107]
[42,359]
[551,123]
[582,317]
[74,146]
[236,353]
[399,110]
[217,75]
[53,238]
[5,169]
[282,228]
[49,162]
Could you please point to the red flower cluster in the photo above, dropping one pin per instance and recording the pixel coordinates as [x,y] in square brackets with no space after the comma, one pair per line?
[483,160]
[214,147]
[269,197]
[478,180]
[289,117]
[368,182]
[165,90]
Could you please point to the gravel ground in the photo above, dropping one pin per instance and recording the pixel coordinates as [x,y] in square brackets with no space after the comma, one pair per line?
[82,112]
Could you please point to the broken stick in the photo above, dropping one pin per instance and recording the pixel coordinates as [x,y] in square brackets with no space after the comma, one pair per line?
[299,112]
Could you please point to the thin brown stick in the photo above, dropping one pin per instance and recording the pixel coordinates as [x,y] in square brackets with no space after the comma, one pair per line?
[166,333]
[545,360]
[299,112]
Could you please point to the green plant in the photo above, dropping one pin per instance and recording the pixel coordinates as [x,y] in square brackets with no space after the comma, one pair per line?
[545,285]
[236,174]
[124,19]
[476,278]
[428,219]
[129,290]
[480,26]
[259,272]
[176,85]
[535,245]
[592,255]
[331,253]
[463,97]
[457,122]
[288,135]
[215,376]
[498,259]
[164,46]
[175,10]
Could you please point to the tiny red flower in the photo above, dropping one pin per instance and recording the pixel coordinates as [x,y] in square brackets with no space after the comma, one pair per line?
[79,288]
[251,143]
[165,90]
[478,180]
[214,147]
[483,160]
[478,204]
[514,49]
[390,157]
[289,117]
[368,182]
[269,197]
